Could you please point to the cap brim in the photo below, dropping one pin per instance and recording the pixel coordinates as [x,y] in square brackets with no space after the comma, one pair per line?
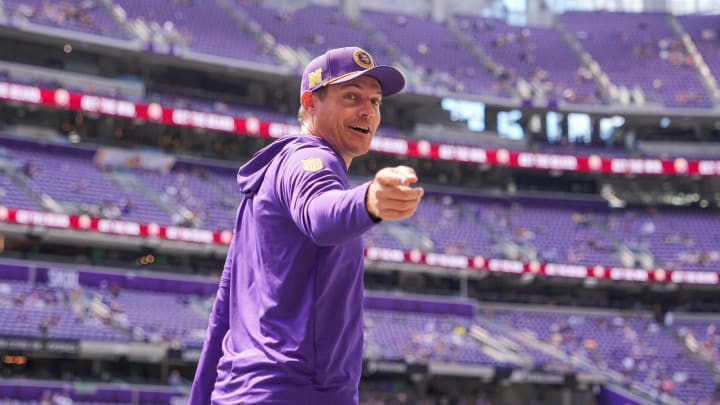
[391,80]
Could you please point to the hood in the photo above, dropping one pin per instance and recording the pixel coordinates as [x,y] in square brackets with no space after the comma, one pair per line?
[251,174]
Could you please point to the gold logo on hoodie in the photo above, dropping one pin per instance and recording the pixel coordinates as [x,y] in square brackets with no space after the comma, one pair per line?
[312,164]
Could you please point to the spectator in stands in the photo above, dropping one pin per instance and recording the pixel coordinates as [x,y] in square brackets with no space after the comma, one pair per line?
[44,399]
[286,326]
[108,208]
[61,398]
[175,379]
[126,206]
[79,186]
[5,295]
[29,169]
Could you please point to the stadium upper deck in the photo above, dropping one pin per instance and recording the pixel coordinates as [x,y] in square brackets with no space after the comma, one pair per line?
[656,61]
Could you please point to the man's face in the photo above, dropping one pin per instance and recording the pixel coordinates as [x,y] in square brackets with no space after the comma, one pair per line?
[348,116]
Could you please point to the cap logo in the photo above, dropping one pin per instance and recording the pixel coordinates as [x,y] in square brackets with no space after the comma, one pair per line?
[363,59]
[312,164]
[314,77]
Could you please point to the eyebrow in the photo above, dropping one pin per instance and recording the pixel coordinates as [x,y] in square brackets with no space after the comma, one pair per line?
[345,85]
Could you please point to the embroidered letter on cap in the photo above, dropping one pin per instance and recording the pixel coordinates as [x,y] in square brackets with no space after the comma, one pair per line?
[312,164]
[315,77]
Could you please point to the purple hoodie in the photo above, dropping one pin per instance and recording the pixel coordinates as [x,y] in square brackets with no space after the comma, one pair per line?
[286,327]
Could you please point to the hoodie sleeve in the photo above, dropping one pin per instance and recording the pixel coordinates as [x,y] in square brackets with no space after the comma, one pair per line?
[218,325]
[313,185]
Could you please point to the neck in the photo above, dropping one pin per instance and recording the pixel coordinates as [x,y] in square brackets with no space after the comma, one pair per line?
[307,130]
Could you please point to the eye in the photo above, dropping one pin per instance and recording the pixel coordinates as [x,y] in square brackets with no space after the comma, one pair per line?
[376,102]
[350,96]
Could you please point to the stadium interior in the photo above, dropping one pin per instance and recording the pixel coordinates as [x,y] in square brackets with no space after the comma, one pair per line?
[567,250]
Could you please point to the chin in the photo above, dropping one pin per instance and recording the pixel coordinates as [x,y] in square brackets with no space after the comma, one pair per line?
[360,152]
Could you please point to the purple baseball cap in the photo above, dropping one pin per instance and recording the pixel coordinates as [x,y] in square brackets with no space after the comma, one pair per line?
[344,64]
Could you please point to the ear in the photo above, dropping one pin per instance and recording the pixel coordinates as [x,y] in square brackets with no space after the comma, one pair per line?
[307,100]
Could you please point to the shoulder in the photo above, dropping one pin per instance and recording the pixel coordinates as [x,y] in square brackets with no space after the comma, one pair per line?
[310,154]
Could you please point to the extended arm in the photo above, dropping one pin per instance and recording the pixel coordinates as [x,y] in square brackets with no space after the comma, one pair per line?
[329,214]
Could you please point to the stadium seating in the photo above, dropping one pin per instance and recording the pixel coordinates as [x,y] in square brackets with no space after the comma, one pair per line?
[642,43]
[536,55]
[210,199]
[415,337]
[203,27]
[32,392]
[433,55]
[700,332]
[436,51]
[297,28]
[77,15]
[113,306]
[121,307]
[206,198]
[196,103]
[557,233]
[633,345]
[13,196]
[76,183]
[704,31]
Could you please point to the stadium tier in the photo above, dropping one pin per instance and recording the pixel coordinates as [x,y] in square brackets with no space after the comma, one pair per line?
[88,17]
[703,29]
[436,52]
[642,43]
[203,27]
[420,338]
[70,180]
[297,28]
[436,57]
[77,182]
[50,303]
[34,392]
[634,346]
[196,103]
[701,333]
[536,55]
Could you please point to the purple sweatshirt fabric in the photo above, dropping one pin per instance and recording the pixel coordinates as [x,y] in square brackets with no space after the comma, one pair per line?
[286,326]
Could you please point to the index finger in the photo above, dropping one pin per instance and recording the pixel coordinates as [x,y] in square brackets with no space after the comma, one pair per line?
[403,193]
[408,174]
[391,177]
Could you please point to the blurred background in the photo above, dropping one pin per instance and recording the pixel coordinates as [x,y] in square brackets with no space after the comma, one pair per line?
[566,252]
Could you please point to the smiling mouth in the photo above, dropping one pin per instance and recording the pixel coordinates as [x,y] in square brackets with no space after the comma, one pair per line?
[364,130]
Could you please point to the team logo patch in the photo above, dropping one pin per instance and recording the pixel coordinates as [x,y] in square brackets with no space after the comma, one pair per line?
[312,164]
[363,59]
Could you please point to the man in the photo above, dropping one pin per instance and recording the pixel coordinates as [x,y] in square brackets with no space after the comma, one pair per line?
[286,327]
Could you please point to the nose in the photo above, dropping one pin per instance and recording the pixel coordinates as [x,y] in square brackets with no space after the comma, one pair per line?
[368,109]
